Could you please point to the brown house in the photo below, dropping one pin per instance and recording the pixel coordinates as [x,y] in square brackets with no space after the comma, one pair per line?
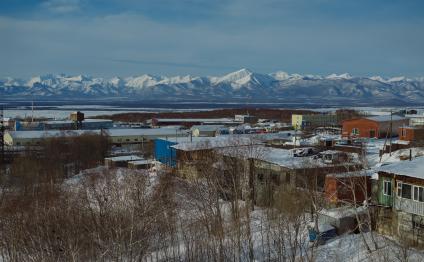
[373,127]
[412,134]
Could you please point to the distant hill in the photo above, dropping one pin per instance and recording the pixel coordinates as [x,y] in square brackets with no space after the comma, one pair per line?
[242,85]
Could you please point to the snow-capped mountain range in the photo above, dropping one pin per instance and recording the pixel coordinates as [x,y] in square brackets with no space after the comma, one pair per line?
[239,85]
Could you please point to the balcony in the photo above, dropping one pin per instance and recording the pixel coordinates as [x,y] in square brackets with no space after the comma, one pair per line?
[409,206]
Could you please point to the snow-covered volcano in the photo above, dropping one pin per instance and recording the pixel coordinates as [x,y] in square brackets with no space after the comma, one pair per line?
[239,85]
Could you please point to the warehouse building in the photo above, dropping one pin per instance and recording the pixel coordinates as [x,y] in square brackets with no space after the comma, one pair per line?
[117,136]
[34,138]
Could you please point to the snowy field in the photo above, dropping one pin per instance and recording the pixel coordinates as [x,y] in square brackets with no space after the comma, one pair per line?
[56,110]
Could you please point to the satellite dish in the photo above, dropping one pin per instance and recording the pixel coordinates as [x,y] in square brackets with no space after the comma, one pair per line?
[195,132]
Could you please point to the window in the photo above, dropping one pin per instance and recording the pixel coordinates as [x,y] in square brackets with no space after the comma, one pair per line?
[275,179]
[260,177]
[288,178]
[418,193]
[404,190]
[355,131]
[387,188]
[403,132]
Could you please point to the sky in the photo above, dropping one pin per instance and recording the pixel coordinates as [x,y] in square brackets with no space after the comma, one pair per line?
[107,38]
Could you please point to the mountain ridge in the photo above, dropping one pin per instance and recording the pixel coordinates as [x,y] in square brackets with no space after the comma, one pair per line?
[242,84]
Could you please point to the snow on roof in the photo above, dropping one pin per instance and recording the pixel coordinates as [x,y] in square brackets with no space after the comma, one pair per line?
[414,116]
[50,133]
[201,143]
[141,162]
[385,118]
[414,168]
[124,158]
[358,173]
[284,158]
[341,212]
[205,120]
[112,132]
[146,132]
[206,128]
[84,121]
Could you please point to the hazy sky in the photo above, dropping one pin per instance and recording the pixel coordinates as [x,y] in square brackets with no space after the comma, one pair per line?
[211,37]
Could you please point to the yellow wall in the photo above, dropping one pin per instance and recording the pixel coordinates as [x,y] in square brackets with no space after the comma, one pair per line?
[297,121]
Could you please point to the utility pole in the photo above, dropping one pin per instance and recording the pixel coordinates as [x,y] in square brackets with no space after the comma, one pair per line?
[1,135]
[391,130]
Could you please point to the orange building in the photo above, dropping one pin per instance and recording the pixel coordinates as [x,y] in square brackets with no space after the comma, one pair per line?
[348,187]
[373,127]
[411,133]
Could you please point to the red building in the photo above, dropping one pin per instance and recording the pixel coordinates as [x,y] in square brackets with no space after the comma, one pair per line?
[411,134]
[373,127]
[348,187]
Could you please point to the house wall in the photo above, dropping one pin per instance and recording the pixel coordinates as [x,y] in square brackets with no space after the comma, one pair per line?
[385,200]
[364,126]
[8,139]
[337,189]
[406,134]
[411,134]
[399,217]
[267,178]
[396,124]
[314,120]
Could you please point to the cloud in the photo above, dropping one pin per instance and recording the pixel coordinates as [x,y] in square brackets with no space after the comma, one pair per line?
[62,6]
[264,37]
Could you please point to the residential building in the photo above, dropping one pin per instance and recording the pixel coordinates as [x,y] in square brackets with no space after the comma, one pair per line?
[415,119]
[300,122]
[412,134]
[116,136]
[373,127]
[400,196]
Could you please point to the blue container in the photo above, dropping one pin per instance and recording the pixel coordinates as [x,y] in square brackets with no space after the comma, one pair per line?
[164,152]
[325,233]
